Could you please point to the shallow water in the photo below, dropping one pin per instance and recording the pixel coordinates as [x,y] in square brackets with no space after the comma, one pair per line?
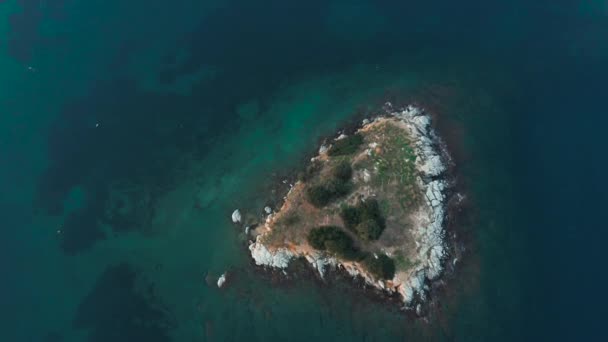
[131,130]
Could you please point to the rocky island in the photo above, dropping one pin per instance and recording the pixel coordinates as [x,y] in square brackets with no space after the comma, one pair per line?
[372,203]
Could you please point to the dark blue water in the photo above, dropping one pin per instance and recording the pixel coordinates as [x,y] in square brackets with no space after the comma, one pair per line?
[130,130]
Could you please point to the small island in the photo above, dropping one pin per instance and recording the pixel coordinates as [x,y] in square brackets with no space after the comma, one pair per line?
[371,203]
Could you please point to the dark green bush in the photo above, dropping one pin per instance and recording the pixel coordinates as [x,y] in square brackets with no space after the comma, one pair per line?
[333,240]
[342,171]
[350,216]
[365,219]
[323,193]
[345,146]
[339,187]
[319,195]
[369,230]
[381,267]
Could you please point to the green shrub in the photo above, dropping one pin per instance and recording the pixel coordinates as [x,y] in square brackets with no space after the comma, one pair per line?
[365,219]
[342,171]
[381,267]
[323,193]
[319,195]
[369,230]
[350,216]
[333,240]
[339,187]
[345,146]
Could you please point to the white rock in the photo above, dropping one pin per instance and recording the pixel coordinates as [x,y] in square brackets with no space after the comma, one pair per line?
[263,257]
[428,234]
[247,229]
[236,216]
[367,176]
[342,136]
[365,122]
[323,149]
[268,210]
[320,262]
[221,280]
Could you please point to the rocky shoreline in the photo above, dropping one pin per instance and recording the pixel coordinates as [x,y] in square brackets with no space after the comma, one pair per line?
[433,248]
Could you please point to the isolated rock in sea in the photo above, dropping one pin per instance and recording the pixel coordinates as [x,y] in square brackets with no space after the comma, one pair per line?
[221,280]
[428,217]
[236,216]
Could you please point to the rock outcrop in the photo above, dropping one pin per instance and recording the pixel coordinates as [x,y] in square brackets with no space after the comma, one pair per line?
[278,258]
[430,236]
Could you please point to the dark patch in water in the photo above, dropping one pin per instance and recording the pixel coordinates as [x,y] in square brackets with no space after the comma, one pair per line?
[120,135]
[79,232]
[143,136]
[53,336]
[25,36]
[123,307]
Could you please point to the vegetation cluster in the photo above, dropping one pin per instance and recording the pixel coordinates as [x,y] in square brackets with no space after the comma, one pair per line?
[364,219]
[337,242]
[337,185]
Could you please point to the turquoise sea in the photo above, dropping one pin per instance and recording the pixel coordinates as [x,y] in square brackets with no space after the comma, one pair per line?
[130,130]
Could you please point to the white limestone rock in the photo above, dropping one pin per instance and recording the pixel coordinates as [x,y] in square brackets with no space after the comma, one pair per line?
[320,262]
[341,136]
[221,280]
[236,216]
[279,258]
[268,210]
[367,176]
[429,234]
[415,284]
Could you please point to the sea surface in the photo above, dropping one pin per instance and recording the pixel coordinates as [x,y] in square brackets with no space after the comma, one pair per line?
[130,130]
